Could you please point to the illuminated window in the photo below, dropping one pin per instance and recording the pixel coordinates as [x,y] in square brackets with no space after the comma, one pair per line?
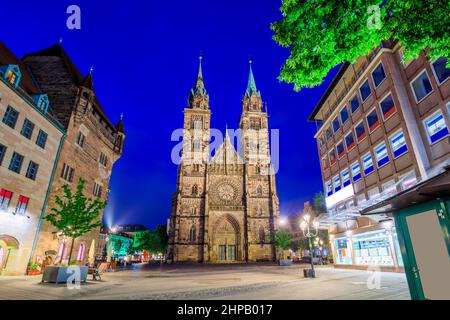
[398,144]
[10,117]
[408,180]
[365,90]
[16,162]
[336,183]
[360,132]
[354,103]
[344,115]
[349,141]
[389,188]
[340,150]
[12,78]
[22,205]
[372,120]
[356,171]
[367,164]
[336,124]
[378,75]
[27,129]
[421,86]
[381,155]
[5,199]
[345,175]
[436,127]
[440,70]
[387,107]
[2,153]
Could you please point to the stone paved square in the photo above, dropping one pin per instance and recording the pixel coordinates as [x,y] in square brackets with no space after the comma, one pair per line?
[198,282]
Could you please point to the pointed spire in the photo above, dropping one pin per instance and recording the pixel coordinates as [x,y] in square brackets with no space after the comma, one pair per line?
[251,85]
[119,125]
[199,85]
[88,82]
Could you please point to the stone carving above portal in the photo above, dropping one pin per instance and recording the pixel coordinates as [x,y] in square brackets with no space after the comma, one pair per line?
[226,192]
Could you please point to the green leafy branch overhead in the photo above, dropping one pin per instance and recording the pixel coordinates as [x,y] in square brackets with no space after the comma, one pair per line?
[321,34]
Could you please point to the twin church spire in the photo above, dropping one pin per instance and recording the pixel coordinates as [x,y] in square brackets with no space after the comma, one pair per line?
[199,94]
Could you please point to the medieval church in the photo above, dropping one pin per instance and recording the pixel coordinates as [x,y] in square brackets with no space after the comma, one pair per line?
[226,206]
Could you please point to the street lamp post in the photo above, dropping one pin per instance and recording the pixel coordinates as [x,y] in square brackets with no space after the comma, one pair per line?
[310,229]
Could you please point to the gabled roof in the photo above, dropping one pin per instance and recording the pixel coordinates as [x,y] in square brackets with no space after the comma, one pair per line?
[27,83]
[226,154]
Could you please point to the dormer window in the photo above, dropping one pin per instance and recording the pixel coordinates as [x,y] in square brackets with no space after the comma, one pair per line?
[41,101]
[11,73]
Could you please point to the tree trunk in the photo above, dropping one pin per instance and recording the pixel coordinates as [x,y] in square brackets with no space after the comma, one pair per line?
[71,249]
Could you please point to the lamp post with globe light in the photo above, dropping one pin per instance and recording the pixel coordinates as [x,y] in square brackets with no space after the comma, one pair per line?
[310,229]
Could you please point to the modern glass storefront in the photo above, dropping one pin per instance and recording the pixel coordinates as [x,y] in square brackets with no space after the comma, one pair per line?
[373,248]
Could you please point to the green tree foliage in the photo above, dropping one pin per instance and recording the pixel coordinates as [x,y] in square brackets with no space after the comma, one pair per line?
[282,239]
[153,241]
[319,203]
[75,214]
[321,34]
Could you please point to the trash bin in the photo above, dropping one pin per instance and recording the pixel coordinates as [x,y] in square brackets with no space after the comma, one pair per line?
[309,273]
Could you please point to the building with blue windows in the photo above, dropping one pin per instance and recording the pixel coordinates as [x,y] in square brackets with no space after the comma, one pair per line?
[383,126]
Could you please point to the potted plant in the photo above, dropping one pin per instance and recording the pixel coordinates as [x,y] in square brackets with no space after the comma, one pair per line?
[282,241]
[74,216]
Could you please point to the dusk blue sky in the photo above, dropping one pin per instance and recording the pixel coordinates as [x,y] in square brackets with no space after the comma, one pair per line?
[145,58]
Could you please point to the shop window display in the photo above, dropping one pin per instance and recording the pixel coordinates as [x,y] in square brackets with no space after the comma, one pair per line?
[372,249]
[343,253]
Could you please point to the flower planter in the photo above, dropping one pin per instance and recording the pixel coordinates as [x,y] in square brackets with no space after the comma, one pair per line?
[33,272]
[56,274]
[286,262]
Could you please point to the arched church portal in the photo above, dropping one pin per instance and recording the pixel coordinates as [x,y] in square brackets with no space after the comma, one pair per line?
[226,240]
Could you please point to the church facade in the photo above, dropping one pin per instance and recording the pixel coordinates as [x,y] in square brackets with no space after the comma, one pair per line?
[226,206]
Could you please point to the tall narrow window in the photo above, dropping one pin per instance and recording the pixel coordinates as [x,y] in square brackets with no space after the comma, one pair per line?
[354,103]
[97,190]
[378,75]
[340,150]
[372,120]
[336,183]
[421,86]
[336,124]
[194,190]
[11,77]
[16,162]
[32,170]
[328,134]
[349,141]
[5,199]
[325,163]
[398,144]
[262,235]
[365,90]
[10,117]
[67,173]
[41,139]
[192,234]
[259,191]
[332,155]
[360,132]
[344,115]
[356,171]
[103,159]
[329,188]
[381,155]
[440,70]
[367,164]
[80,139]
[436,127]
[22,205]
[387,107]
[345,175]
[27,129]
[2,153]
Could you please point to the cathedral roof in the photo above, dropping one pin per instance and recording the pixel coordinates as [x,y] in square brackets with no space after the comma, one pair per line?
[251,84]
[226,154]
[199,86]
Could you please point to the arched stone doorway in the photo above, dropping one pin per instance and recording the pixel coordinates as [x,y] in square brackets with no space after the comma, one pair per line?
[8,249]
[226,242]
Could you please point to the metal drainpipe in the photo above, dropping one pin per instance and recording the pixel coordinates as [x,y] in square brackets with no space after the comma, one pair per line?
[46,197]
